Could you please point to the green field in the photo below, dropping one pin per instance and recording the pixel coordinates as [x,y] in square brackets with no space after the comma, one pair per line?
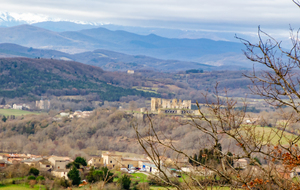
[139,177]
[8,112]
[20,187]
[268,134]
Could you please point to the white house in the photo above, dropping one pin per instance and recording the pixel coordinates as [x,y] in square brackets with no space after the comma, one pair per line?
[130,71]
[60,173]
[17,106]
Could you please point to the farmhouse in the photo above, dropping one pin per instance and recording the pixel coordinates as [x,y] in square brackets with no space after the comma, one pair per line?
[111,160]
[59,162]
[60,173]
[95,161]
[18,106]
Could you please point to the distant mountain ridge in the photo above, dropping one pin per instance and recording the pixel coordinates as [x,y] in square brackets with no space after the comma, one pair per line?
[108,60]
[129,43]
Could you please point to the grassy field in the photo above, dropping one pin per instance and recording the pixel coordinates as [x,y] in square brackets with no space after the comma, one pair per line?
[272,135]
[145,89]
[20,187]
[8,112]
[139,177]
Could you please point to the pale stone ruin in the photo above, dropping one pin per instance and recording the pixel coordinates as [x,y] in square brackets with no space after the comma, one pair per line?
[43,104]
[171,106]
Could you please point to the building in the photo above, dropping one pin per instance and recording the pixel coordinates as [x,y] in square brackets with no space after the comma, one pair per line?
[173,106]
[132,162]
[59,162]
[60,173]
[42,104]
[14,158]
[4,163]
[33,162]
[95,161]
[111,160]
[240,163]
[64,114]
[45,164]
[80,114]
[18,106]
[130,71]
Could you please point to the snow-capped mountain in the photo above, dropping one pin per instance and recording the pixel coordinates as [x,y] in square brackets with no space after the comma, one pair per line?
[8,19]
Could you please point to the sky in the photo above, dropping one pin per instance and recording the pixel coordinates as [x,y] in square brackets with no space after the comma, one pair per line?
[183,14]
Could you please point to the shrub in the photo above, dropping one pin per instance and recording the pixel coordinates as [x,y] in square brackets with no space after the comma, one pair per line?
[31,177]
[40,178]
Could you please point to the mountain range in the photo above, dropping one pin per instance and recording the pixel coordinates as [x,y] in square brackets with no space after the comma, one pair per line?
[107,60]
[204,51]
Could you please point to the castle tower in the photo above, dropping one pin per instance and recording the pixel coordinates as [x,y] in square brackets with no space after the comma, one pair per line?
[155,104]
[174,103]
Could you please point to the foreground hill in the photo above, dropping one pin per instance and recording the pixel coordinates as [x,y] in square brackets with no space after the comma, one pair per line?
[199,50]
[107,60]
[35,77]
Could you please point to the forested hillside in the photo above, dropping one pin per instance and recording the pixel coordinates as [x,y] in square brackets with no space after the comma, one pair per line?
[35,77]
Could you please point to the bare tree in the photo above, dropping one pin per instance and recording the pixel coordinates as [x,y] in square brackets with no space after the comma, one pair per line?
[278,84]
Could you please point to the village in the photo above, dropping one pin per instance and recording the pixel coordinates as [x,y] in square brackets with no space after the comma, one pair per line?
[58,167]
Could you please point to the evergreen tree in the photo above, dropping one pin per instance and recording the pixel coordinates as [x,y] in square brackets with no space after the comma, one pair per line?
[195,158]
[74,176]
[107,175]
[3,102]
[90,176]
[34,171]
[4,118]
[125,182]
[81,161]
[200,156]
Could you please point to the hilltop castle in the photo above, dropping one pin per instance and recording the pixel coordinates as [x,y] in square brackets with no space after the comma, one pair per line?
[171,106]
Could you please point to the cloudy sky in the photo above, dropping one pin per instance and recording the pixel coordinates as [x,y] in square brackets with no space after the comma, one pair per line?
[269,13]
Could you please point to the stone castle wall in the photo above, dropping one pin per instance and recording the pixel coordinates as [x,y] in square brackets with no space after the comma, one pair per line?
[158,103]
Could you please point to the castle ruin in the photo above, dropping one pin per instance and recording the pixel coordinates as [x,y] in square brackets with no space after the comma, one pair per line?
[43,104]
[171,106]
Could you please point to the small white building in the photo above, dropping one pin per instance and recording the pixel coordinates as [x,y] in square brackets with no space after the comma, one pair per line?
[130,71]
[150,167]
[60,173]
[17,106]
[64,114]
[240,163]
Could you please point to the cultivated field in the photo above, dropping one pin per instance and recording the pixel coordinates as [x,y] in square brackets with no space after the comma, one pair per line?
[8,112]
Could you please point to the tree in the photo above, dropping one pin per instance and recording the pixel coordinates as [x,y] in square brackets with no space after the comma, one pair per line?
[81,161]
[34,171]
[4,118]
[77,162]
[125,182]
[100,175]
[3,102]
[74,176]
[278,84]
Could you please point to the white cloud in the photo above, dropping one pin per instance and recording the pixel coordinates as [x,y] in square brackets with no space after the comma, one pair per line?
[268,13]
